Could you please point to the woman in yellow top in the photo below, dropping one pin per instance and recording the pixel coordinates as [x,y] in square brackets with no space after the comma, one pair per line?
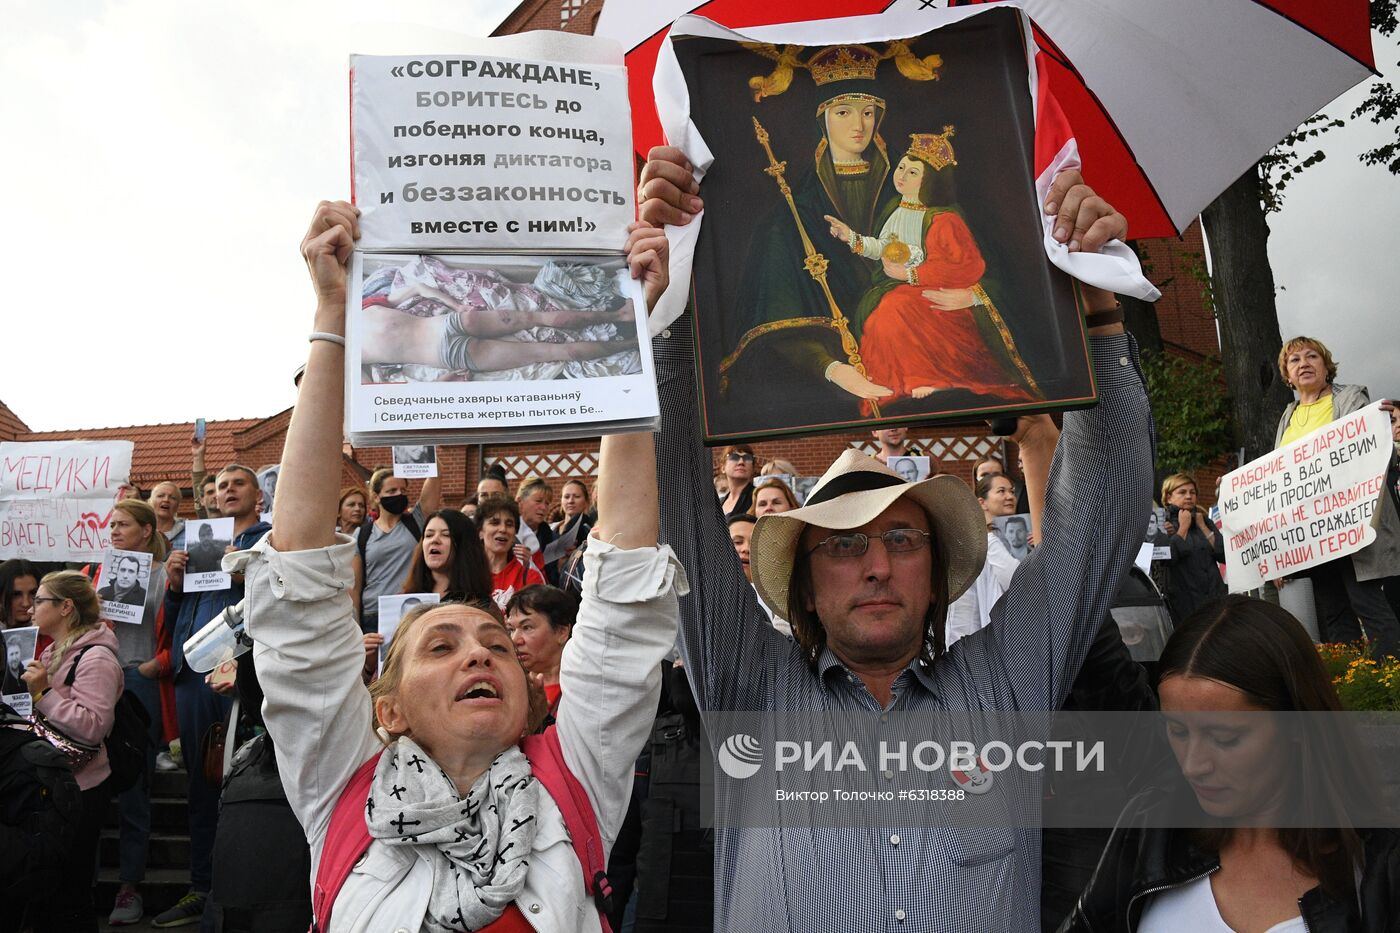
[1347,589]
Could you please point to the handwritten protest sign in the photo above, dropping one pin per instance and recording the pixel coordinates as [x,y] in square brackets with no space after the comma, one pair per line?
[1307,503]
[56,497]
[470,152]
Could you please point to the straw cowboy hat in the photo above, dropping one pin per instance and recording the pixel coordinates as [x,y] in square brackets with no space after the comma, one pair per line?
[854,491]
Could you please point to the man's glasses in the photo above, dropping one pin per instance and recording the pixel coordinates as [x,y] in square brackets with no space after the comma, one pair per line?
[738,457]
[854,543]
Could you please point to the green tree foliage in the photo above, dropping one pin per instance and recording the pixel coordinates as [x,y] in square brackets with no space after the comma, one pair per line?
[1189,407]
[1383,104]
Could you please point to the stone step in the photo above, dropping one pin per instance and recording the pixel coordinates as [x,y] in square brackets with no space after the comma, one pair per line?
[161,889]
[167,850]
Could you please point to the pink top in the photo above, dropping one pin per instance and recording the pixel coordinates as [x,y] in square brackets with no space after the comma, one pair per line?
[85,711]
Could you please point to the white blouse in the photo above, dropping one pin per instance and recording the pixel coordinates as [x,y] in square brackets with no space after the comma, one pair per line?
[1192,907]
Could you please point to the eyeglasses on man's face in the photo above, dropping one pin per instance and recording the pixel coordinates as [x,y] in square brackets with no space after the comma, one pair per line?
[735,458]
[854,543]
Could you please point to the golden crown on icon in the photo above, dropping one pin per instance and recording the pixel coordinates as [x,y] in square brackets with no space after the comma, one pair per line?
[844,63]
[933,148]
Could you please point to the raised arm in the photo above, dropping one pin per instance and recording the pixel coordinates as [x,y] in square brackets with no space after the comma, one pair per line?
[430,497]
[727,642]
[298,611]
[1099,488]
[303,517]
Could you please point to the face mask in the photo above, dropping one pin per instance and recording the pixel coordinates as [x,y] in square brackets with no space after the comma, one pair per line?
[394,505]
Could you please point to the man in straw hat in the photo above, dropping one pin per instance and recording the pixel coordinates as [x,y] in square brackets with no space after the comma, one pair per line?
[864,572]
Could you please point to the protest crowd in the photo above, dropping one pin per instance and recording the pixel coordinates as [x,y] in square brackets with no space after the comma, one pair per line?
[520,746]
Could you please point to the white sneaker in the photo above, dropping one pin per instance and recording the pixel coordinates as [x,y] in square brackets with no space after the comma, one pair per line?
[128,909]
[164,762]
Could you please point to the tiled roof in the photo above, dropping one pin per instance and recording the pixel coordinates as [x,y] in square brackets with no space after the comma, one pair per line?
[10,425]
[162,450]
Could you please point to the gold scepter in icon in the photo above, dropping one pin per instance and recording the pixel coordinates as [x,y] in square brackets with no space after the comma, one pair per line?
[815,263]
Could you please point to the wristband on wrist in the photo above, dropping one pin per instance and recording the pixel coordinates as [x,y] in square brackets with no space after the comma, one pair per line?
[1113,315]
[316,335]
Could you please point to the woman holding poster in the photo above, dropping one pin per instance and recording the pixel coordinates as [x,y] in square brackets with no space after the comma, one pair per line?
[1348,588]
[430,804]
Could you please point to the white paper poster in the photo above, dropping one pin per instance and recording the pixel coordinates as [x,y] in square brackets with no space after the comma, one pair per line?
[415,461]
[1307,503]
[473,152]
[19,651]
[1014,532]
[126,579]
[206,541]
[56,497]
[911,469]
[392,609]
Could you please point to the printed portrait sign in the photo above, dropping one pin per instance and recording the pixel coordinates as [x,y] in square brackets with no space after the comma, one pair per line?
[872,242]
[267,486]
[126,579]
[56,497]
[206,541]
[19,651]
[392,609]
[911,469]
[1014,532]
[416,461]
[1306,503]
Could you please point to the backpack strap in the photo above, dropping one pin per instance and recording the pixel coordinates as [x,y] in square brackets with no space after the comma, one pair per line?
[546,759]
[411,524]
[362,538]
[347,838]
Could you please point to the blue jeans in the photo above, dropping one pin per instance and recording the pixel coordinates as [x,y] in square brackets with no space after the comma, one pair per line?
[134,804]
[199,708]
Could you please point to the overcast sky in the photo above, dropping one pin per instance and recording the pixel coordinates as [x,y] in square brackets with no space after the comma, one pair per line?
[162,159]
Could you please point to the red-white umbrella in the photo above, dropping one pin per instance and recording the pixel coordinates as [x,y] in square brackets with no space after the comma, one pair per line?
[1170,100]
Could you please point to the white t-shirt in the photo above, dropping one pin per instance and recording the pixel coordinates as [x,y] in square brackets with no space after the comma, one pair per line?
[1192,907]
[971,611]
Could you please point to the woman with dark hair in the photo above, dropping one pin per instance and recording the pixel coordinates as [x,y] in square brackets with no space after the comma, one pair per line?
[540,620]
[1278,848]
[1349,588]
[499,520]
[19,584]
[738,466]
[449,560]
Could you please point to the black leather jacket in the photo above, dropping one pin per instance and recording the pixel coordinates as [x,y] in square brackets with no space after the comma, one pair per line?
[1140,860]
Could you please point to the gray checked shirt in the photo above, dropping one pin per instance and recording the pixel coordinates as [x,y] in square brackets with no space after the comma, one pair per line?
[805,879]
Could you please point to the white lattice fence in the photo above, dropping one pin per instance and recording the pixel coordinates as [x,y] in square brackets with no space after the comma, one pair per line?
[547,465]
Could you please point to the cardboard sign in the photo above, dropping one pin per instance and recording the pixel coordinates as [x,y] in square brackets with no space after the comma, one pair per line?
[1307,503]
[126,579]
[56,497]
[206,541]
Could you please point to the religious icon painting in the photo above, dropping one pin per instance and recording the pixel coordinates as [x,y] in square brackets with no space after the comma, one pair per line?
[872,248]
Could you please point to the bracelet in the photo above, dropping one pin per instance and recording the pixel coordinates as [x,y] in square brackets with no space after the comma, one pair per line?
[316,335]
[856,245]
[36,697]
[1113,315]
[913,275]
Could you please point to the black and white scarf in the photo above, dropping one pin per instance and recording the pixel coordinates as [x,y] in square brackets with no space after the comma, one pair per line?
[479,846]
